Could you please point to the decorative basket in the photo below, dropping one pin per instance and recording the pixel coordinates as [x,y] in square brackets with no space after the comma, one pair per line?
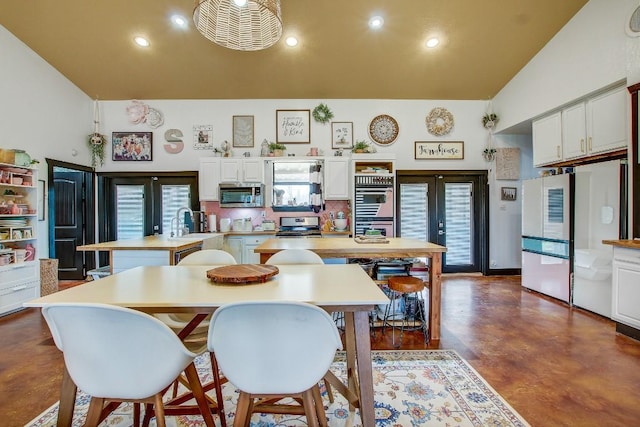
[48,276]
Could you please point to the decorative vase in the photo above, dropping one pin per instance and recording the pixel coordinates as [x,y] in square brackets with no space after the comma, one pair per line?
[278,153]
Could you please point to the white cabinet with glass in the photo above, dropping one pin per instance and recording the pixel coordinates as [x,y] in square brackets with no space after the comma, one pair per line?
[241,170]
[19,269]
[209,178]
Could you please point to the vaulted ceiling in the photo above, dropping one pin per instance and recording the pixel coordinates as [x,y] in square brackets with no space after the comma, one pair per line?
[483,45]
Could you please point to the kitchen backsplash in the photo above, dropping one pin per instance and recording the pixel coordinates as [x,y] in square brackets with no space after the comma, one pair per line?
[213,208]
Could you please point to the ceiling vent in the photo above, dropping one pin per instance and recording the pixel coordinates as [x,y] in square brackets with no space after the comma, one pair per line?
[633,26]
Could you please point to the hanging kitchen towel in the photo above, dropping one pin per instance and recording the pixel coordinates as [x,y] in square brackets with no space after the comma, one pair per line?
[315,187]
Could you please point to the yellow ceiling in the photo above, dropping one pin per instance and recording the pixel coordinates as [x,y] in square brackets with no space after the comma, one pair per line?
[484,44]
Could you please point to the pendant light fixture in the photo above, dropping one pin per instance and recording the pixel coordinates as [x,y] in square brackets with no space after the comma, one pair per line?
[245,25]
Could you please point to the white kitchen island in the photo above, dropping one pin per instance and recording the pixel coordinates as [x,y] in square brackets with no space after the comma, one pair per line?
[153,250]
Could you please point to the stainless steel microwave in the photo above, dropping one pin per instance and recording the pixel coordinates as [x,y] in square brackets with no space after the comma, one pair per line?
[241,195]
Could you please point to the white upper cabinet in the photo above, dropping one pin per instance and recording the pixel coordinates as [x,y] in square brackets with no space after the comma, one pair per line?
[242,170]
[574,131]
[547,139]
[336,178]
[209,178]
[595,126]
[607,121]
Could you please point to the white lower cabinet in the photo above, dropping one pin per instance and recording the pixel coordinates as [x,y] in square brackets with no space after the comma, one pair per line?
[241,247]
[18,283]
[626,286]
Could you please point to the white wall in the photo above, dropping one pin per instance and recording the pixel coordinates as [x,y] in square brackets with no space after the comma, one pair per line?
[41,112]
[591,52]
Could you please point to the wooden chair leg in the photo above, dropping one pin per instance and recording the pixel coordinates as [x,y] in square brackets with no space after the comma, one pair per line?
[242,410]
[148,410]
[327,386]
[159,411]
[317,398]
[136,415]
[95,410]
[198,394]
[310,408]
[218,387]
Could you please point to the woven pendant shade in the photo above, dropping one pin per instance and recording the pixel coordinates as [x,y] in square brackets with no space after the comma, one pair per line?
[255,26]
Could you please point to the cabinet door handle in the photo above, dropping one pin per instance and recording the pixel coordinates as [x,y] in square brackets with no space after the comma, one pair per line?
[590,144]
[582,145]
[18,288]
[558,151]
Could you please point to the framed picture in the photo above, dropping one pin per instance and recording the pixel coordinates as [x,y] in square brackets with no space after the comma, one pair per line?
[243,131]
[508,193]
[439,150]
[132,146]
[292,127]
[341,134]
[42,188]
[203,137]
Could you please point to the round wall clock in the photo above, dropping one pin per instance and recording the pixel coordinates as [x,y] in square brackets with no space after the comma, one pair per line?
[383,129]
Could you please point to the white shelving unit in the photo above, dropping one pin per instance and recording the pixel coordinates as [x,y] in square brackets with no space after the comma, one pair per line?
[19,267]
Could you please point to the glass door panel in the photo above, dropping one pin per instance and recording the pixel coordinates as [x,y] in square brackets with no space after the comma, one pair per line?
[414,211]
[129,211]
[459,222]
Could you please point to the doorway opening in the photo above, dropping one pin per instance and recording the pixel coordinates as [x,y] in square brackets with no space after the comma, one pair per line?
[449,208]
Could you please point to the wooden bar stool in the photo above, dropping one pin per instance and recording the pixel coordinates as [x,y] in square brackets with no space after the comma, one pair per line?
[406,288]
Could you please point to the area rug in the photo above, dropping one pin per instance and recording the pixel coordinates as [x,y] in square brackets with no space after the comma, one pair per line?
[411,388]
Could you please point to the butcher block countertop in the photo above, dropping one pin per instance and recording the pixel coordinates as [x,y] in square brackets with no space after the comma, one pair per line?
[341,248]
[150,243]
[631,244]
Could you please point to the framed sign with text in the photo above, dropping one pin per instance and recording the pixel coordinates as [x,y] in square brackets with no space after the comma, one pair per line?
[292,126]
[439,150]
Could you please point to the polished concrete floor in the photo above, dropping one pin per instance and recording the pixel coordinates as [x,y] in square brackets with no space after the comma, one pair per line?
[557,366]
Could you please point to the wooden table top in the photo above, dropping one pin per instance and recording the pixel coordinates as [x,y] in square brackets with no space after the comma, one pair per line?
[156,242]
[631,244]
[347,247]
[186,288]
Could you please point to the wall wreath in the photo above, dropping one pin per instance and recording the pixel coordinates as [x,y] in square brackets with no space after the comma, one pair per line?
[322,114]
[439,121]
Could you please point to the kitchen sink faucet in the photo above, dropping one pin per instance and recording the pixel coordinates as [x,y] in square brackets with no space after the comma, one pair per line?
[181,231]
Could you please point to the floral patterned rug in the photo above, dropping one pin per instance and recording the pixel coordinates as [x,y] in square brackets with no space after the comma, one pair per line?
[411,388]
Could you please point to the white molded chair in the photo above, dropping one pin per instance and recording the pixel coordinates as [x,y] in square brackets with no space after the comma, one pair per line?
[118,354]
[271,350]
[295,256]
[208,257]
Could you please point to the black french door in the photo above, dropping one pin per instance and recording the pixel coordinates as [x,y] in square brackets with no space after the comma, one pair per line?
[449,208]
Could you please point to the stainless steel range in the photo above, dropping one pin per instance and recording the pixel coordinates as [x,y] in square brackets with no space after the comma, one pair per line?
[299,226]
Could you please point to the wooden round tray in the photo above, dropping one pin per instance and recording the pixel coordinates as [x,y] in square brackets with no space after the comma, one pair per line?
[242,273]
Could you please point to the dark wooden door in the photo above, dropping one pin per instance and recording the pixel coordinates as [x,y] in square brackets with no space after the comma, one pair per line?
[69,226]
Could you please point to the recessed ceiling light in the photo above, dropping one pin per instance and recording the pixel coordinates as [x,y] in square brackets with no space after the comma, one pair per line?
[432,42]
[141,41]
[291,41]
[179,21]
[376,22]
[240,3]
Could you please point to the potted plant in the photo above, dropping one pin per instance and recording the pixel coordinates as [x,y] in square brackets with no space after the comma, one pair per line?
[96,142]
[277,149]
[361,147]
[490,120]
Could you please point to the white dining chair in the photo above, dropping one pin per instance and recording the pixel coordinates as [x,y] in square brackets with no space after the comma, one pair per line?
[272,350]
[118,354]
[208,257]
[295,256]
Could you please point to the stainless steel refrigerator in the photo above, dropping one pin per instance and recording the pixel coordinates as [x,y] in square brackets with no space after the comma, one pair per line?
[598,215]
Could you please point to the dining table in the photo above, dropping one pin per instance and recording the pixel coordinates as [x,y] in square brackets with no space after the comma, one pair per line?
[187,289]
[390,247]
